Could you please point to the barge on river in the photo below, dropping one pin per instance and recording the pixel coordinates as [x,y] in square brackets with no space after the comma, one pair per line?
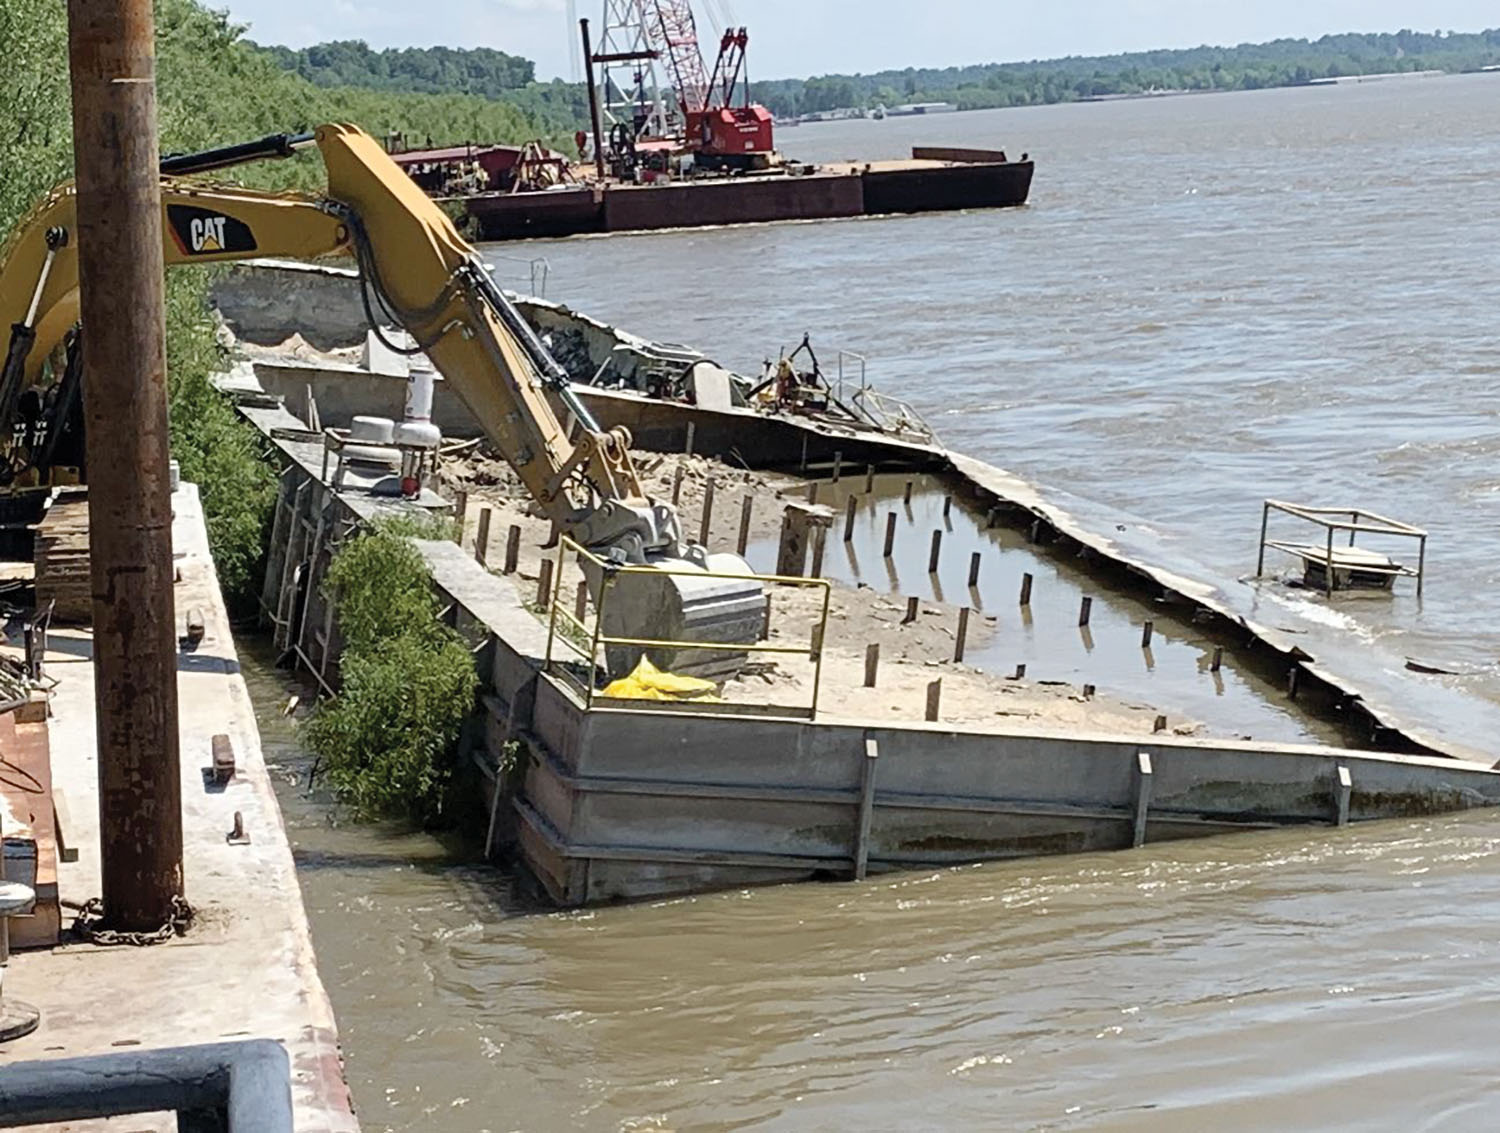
[932,180]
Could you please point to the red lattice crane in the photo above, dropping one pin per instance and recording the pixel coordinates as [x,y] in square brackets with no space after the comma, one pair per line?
[674,32]
[717,130]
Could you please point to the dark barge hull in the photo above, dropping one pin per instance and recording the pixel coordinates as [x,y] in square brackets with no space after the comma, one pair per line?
[921,185]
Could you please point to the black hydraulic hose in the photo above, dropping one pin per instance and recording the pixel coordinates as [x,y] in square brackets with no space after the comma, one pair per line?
[550,369]
[272,145]
[12,374]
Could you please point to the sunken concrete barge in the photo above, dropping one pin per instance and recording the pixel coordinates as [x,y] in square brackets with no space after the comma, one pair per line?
[602,799]
[933,180]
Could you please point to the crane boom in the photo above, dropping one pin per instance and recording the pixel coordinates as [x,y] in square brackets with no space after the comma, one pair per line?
[674,32]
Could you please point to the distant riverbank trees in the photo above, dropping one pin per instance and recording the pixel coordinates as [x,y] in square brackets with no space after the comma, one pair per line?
[558,108]
[1251,66]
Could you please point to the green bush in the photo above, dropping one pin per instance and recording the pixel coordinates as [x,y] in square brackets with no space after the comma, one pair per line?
[217,450]
[387,740]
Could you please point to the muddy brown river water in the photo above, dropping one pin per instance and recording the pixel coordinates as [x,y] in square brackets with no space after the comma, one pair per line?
[1210,300]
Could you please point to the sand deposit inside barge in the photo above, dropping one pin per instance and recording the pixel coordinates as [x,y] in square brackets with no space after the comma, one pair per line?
[913,654]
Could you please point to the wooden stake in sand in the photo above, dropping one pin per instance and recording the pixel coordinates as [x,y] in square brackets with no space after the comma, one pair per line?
[482,540]
[934,699]
[872,663]
[1026,590]
[890,533]
[937,548]
[677,486]
[1085,611]
[963,635]
[838,466]
[747,505]
[974,562]
[1146,632]
[869,479]
[911,612]
[691,430]
[460,512]
[849,511]
[708,512]
[544,584]
[906,497]
[512,548]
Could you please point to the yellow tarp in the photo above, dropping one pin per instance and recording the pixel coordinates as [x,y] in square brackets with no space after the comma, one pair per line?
[648,682]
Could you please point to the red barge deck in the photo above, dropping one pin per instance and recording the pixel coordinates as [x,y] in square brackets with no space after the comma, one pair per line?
[933,180]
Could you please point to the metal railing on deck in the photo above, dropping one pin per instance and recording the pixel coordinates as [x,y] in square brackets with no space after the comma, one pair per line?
[585,641]
[893,416]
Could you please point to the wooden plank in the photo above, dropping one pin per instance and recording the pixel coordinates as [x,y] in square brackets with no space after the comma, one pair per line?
[1356,558]
[60,560]
[62,823]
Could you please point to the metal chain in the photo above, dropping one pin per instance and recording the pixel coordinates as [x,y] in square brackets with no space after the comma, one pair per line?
[86,925]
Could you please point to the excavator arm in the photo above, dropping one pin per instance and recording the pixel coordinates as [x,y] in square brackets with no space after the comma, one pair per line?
[417,272]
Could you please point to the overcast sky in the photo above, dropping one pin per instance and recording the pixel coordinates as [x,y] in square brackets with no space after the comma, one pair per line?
[807,37]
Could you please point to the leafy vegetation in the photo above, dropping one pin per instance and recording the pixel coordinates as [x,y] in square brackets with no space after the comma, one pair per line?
[516,108]
[430,70]
[1282,62]
[213,89]
[408,683]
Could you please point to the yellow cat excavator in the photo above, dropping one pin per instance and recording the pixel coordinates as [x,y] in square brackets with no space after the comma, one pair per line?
[416,272]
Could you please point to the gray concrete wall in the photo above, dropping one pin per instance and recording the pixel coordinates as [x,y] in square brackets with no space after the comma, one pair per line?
[653,805]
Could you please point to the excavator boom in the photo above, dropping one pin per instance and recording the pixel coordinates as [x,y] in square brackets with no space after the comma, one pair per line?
[417,273]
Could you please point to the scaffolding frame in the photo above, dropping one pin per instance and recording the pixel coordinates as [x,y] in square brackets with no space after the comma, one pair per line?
[1360,521]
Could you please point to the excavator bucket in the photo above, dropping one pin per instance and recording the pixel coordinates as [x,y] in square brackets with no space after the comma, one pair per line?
[674,604]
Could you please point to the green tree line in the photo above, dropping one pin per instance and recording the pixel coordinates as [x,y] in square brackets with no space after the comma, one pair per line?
[430,70]
[547,110]
[562,107]
[1250,66]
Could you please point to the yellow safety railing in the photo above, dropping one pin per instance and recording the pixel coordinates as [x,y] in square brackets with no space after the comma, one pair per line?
[595,636]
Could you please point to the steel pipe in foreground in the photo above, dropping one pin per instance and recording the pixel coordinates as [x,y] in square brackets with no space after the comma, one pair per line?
[245,1084]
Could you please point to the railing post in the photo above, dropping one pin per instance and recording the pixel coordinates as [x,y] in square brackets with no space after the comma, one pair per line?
[818,659]
[1143,783]
[866,809]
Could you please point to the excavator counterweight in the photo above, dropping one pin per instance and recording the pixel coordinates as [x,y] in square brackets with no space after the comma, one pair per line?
[416,273]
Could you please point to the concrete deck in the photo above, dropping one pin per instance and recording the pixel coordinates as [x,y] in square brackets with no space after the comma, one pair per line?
[246,969]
